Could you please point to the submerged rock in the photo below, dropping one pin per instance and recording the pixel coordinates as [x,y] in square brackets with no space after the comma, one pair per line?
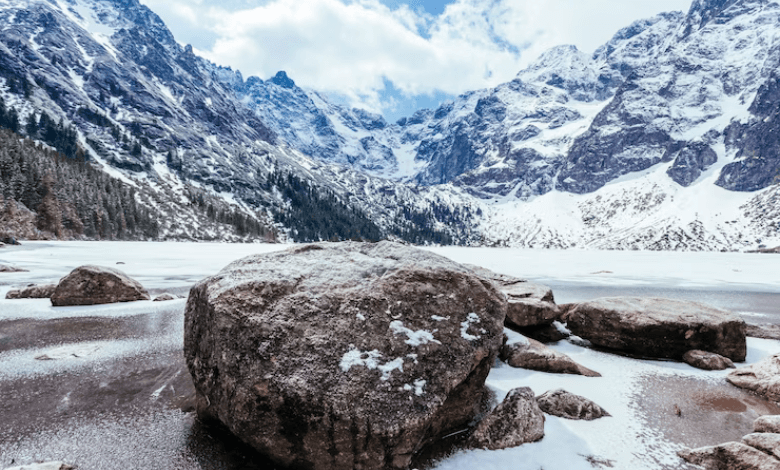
[527,353]
[515,421]
[570,406]
[762,377]
[655,327]
[707,361]
[93,285]
[341,356]
[44,291]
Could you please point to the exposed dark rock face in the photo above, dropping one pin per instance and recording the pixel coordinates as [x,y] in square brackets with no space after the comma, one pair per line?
[531,312]
[570,406]
[761,377]
[707,360]
[661,328]
[515,421]
[345,355]
[531,354]
[32,292]
[758,157]
[690,161]
[93,285]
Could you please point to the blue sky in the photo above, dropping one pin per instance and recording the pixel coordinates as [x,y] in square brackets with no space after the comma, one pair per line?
[395,56]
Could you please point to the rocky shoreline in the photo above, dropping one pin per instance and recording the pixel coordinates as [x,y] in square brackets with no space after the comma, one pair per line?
[371,334]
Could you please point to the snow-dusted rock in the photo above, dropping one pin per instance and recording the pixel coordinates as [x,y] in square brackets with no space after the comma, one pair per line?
[43,466]
[767,331]
[730,456]
[527,353]
[92,285]
[513,422]
[764,441]
[762,377]
[165,297]
[767,423]
[4,268]
[658,327]
[570,406]
[519,291]
[43,291]
[707,360]
[344,355]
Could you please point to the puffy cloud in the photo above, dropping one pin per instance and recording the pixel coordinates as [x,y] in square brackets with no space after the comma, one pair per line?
[352,47]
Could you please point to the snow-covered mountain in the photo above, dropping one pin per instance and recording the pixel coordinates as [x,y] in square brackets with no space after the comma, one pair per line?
[155,114]
[663,138]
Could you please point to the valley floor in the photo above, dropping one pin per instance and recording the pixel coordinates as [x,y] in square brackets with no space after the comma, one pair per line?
[116,394]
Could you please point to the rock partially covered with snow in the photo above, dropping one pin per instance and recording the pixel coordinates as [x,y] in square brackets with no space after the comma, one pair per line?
[707,361]
[528,291]
[730,456]
[570,406]
[341,356]
[43,291]
[767,423]
[165,297]
[527,353]
[43,466]
[765,442]
[658,327]
[93,285]
[4,268]
[762,377]
[515,421]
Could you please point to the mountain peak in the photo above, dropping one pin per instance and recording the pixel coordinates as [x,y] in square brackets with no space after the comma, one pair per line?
[703,12]
[282,80]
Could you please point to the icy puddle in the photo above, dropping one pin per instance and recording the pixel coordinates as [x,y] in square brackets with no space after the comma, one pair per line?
[106,387]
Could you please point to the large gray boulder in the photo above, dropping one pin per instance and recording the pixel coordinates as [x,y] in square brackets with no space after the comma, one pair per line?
[43,291]
[341,356]
[522,313]
[762,377]
[660,328]
[513,422]
[570,406]
[93,285]
[527,353]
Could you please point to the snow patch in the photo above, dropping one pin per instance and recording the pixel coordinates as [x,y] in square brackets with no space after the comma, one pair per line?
[464,327]
[415,338]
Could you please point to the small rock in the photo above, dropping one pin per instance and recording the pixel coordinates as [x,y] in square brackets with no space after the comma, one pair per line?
[10,241]
[707,361]
[531,354]
[767,423]
[530,312]
[165,297]
[93,285]
[44,466]
[765,442]
[515,421]
[766,331]
[730,456]
[570,406]
[761,377]
[44,291]
[4,268]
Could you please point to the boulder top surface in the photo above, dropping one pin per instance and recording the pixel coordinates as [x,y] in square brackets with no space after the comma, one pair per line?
[653,309]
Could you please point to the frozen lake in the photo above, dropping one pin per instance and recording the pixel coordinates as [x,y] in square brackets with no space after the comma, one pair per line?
[118,395]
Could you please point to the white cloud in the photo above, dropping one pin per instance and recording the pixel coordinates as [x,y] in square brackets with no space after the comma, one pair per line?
[350,47]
